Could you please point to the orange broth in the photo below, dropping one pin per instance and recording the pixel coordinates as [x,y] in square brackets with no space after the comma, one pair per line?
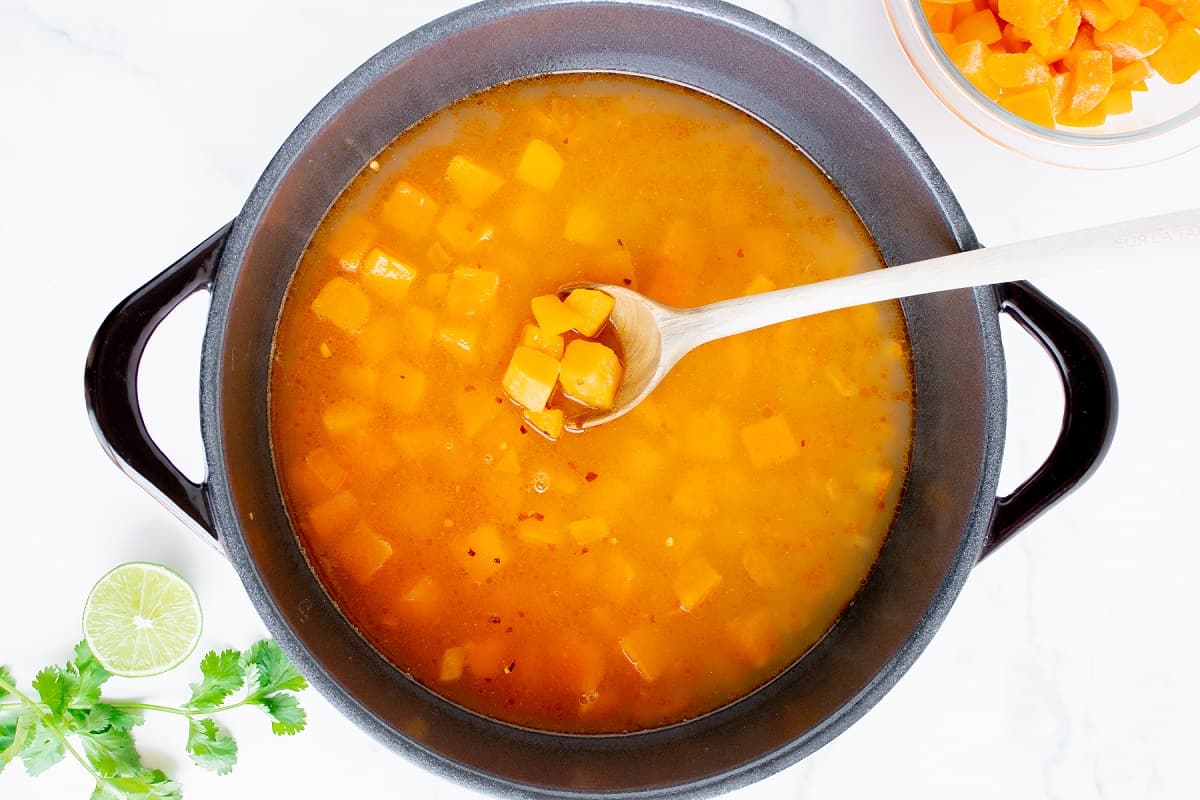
[649,570]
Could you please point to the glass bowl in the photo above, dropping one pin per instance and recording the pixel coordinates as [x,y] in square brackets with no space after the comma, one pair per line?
[1165,120]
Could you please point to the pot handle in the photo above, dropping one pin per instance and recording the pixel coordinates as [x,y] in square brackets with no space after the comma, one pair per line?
[1089,416]
[111,385]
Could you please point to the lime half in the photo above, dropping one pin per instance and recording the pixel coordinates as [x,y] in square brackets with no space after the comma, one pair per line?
[141,619]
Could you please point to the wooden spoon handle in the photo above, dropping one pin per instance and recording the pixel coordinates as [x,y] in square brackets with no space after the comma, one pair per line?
[1171,240]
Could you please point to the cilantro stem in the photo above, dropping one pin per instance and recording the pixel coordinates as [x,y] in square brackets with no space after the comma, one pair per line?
[53,728]
[182,712]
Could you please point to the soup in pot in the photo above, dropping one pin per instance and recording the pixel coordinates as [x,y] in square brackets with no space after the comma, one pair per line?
[648,570]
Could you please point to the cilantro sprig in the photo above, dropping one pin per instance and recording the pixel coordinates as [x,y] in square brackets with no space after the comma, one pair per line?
[65,715]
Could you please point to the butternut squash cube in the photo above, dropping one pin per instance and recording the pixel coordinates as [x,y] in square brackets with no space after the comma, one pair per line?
[453,661]
[1030,14]
[590,374]
[350,241]
[770,443]
[385,277]
[940,16]
[755,637]
[343,304]
[382,337]
[946,41]
[473,184]
[1118,101]
[362,553]
[472,291]
[529,217]
[416,328]
[402,387]
[409,210]
[540,165]
[359,381]
[461,232]
[529,379]
[553,316]
[550,344]
[550,422]
[537,531]
[1017,70]
[1122,8]
[1128,76]
[481,553]
[421,601]
[475,410]
[487,658]
[1179,58]
[334,517]
[460,341]
[585,226]
[437,285]
[589,531]
[1140,36]
[971,60]
[509,464]
[1097,14]
[1093,77]
[1035,105]
[325,467]
[980,27]
[343,416]
[695,582]
[708,434]
[760,569]
[649,654]
[593,308]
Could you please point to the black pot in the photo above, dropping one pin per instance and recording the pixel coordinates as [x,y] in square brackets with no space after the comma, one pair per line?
[950,515]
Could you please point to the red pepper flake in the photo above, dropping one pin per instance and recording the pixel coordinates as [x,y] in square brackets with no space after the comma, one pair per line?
[468,388]
[620,243]
[803,442]
[574,468]
[521,614]
[583,551]
[523,429]
[495,561]
[471,552]
[494,620]
[627,281]
[565,140]
[652,618]
[591,476]
[508,629]
[741,253]
[499,399]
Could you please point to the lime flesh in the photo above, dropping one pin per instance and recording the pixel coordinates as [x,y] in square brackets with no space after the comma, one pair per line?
[141,619]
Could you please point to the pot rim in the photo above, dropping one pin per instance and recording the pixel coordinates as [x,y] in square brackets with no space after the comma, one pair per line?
[220,494]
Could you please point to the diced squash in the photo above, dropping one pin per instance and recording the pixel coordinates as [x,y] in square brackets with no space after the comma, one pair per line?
[616,579]
[588,531]
[481,553]
[362,553]
[971,60]
[1130,75]
[535,530]
[453,661]
[550,422]
[695,582]
[946,41]
[1017,70]
[585,225]
[381,338]
[1061,89]
[647,651]
[760,569]
[686,242]
[1124,9]
[759,284]
[473,184]
[1035,105]
[1118,101]
[409,210]
[769,442]
[460,341]
[1097,14]
[350,241]
[1093,77]
[437,286]
[472,291]
[980,27]
[475,409]
[386,277]
[416,329]
[421,600]
[325,467]
[708,434]
[1092,119]
[509,463]
[755,637]
[359,382]
[343,304]
[461,231]
[334,517]
[940,16]
[530,218]
[549,343]
[1135,38]
[553,316]
[695,496]
[402,387]
[1179,58]
[1030,14]
[530,378]
[540,165]
[590,374]
[593,308]
[342,416]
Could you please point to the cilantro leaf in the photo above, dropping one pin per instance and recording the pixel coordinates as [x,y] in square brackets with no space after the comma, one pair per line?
[111,752]
[42,751]
[289,718]
[102,716]
[210,747]
[272,670]
[223,674]
[52,689]
[7,677]
[14,734]
[84,676]
[149,784]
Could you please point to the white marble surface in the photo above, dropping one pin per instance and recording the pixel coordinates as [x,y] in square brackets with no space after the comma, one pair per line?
[131,129]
